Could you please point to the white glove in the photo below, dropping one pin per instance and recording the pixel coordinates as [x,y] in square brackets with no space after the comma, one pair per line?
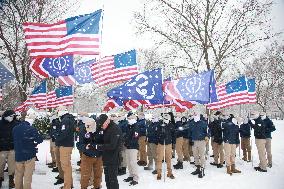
[252,121]
[180,128]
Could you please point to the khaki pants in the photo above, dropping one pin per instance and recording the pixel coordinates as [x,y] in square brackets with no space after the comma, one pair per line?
[218,152]
[185,149]
[89,165]
[24,173]
[160,155]
[230,153]
[199,152]
[65,159]
[151,151]
[52,151]
[9,157]
[260,145]
[179,148]
[131,155]
[190,150]
[142,148]
[268,150]
[245,146]
[58,163]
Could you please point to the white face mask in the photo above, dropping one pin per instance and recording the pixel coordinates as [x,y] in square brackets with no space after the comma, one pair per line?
[166,121]
[9,118]
[132,121]
[155,120]
[263,117]
[196,118]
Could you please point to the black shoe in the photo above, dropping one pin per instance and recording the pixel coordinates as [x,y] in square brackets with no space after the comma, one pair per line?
[57,177]
[148,168]
[79,163]
[36,159]
[219,165]
[201,173]
[259,169]
[179,165]
[55,170]
[192,163]
[154,172]
[269,165]
[51,163]
[59,181]
[212,156]
[214,164]
[133,182]
[6,170]
[197,171]
[141,163]
[128,179]
[1,180]
[121,171]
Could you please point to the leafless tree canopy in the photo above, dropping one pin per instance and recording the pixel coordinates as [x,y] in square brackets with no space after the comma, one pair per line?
[13,51]
[209,34]
[268,69]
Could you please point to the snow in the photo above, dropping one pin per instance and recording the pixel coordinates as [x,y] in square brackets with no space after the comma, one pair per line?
[214,178]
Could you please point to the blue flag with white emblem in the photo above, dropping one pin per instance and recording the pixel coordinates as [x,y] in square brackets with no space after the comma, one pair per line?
[195,88]
[144,86]
[83,72]
[5,75]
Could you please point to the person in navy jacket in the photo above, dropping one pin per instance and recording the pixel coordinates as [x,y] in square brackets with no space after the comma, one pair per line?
[91,160]
[231,142]
[152,143]
[245,139]
[142,124]
[198,134]
[26,138]
[132,146]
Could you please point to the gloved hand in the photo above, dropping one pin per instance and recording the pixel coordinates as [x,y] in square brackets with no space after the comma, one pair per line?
[180,128]
[206,139]
[252,121]
[91,147]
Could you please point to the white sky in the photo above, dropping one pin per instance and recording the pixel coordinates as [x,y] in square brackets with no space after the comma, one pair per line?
[118,32]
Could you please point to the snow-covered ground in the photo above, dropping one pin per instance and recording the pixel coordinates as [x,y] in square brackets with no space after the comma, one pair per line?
[214,178]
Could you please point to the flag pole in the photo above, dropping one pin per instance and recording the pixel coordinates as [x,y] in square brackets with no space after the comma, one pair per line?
[164,146]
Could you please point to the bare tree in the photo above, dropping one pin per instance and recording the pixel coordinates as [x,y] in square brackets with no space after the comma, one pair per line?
[209,34]
[14,53]
[269,73]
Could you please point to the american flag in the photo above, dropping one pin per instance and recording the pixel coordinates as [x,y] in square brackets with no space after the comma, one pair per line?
[251,91]
[5,75]
[232,93]
[111,69]
[111,104]
[77,35]
[64,96]
[1,95]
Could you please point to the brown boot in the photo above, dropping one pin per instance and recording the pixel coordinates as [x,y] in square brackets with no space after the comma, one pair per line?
[229,170]
[171,176]
[159,177]
[234,170]
[244,155]
[11,181]
[249,156]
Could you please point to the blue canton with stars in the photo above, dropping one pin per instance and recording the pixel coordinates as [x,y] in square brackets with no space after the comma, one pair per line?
[251,85]
[84,24]
[196,88]
[64,91]
[237,85]
[60,66]
[125,59]
[40,89]
[144,86]
[83,72]
[5,75]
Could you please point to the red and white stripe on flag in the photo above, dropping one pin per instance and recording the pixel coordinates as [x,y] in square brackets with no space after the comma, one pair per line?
[51,40]
[66,80]
[252,97]
[226,100]
[110,104]
[104,72]
[1,94]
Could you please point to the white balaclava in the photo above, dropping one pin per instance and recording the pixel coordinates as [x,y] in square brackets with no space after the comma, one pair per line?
[263,116]
[9,118]
[245,120]
[196,117]
[166,118]
[132,119]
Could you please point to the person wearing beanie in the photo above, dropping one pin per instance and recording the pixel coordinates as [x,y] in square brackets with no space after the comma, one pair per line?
[7,153]
[132,146]
[110,150]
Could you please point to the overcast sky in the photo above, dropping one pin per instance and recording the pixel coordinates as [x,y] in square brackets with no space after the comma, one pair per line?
[118,32]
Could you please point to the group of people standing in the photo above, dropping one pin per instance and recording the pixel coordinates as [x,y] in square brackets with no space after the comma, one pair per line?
[116,143]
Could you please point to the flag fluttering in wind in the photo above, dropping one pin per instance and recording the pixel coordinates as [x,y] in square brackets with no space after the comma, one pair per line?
[251,91]
[5,75]
[233,93]
[111,69]
[78,35]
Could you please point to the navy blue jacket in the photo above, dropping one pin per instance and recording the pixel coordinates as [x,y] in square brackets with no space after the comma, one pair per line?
[269,127]
[93,139]
[26,138]
[165,133]
[198,131]
[178,133]
[65,137]
[123,127]
[245,130]
[230,132]
[6,136]
[259,128]
[152,133]
[132,136]
[216,131]
[142,125]
[55,129]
